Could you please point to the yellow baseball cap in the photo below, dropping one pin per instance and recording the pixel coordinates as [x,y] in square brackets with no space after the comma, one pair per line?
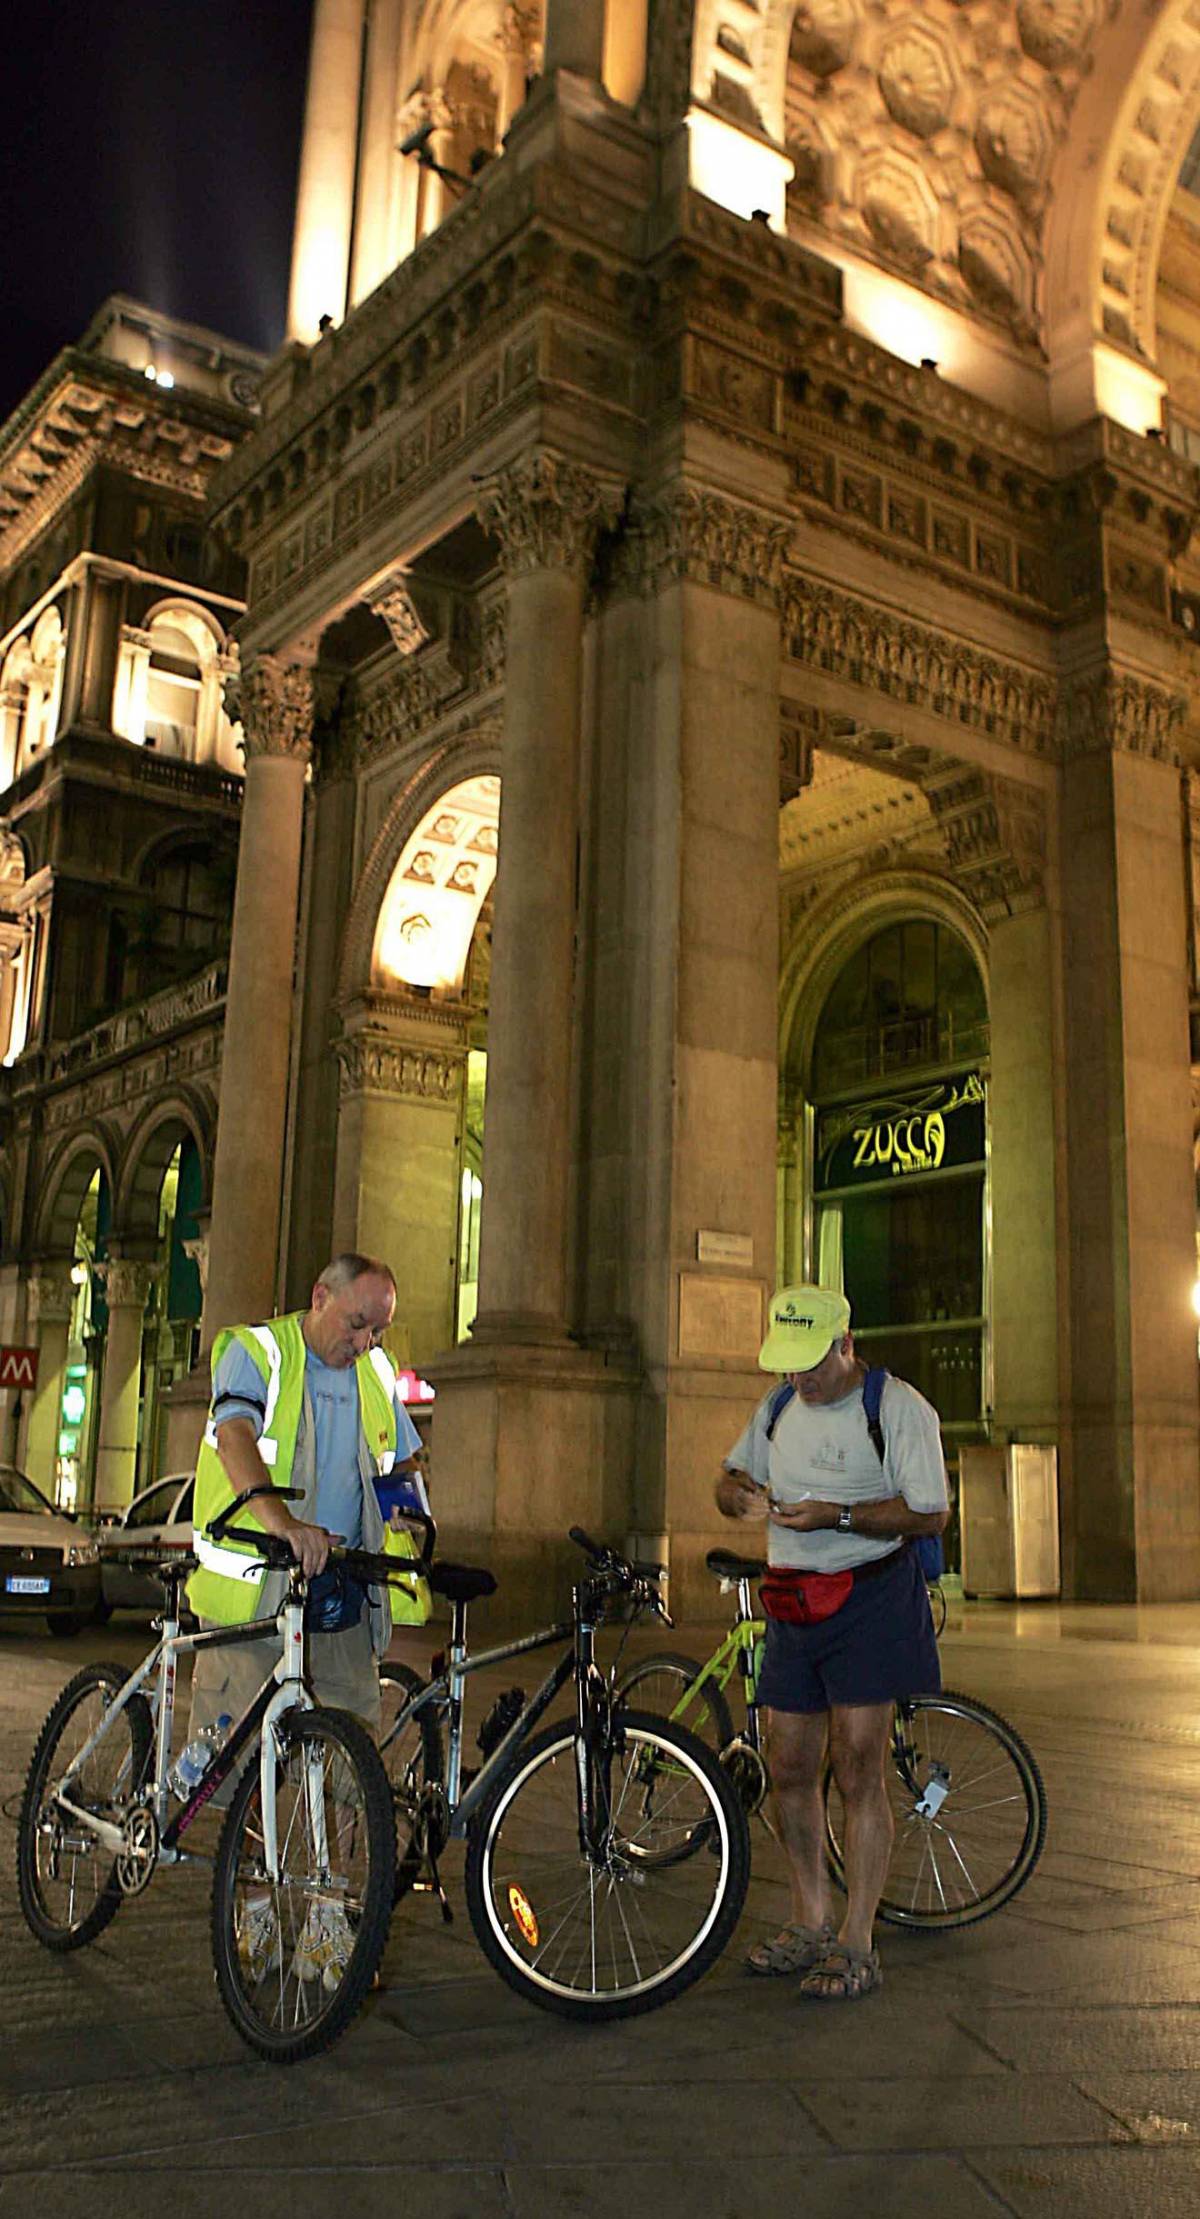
[802,1326]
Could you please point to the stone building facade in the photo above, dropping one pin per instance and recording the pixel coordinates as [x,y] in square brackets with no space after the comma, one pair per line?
[719,691]
[120,797]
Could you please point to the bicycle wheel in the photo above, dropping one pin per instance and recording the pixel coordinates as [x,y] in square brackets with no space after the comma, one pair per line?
[414,1760]
[67,1882]
[295,1955]
[660,1685]
[969,1809]
[632,1925]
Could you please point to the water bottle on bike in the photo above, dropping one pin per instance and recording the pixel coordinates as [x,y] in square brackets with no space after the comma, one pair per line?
[191,1763]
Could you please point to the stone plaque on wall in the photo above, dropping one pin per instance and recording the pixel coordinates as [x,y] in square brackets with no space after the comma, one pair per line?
[720,1317]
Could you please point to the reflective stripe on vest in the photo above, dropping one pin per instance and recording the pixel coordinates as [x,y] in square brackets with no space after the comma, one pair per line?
[231,1563]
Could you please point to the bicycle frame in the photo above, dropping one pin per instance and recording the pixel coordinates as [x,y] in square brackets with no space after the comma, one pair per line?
[284,1690]
[444,1695]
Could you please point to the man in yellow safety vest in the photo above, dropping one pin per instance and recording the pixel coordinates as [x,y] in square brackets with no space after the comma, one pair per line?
[308,1401]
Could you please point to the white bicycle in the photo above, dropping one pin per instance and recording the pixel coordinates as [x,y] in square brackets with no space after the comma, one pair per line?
[304,1872]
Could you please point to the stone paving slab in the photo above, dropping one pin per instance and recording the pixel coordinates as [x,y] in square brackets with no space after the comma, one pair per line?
[1041,2064]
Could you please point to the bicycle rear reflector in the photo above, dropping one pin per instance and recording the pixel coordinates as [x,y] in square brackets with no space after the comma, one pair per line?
[523,1912]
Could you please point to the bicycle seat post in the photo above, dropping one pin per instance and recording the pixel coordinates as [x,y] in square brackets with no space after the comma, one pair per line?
[455,1675]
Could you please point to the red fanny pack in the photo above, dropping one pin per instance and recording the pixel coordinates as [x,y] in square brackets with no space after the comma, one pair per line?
[804,1598]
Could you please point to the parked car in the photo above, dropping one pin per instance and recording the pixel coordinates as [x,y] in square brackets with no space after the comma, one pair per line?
[49,1564]
[155,1523]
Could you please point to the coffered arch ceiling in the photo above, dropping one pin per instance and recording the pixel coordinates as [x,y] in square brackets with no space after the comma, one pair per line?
[1015,158]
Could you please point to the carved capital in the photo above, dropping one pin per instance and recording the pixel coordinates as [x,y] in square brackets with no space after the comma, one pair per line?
[547,512]
[1107,710]
[274,702]
[126,1283]
[197,1252]
[691,534]
[392,600]
[372,1063]
[51,1294]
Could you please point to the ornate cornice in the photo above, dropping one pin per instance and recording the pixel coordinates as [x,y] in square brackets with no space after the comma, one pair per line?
[547,512]
[371,1063]
[909,662]
[994,832]
[274,702]
[706,539]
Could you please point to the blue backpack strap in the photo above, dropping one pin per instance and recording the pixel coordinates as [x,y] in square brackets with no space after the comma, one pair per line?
[777,1405]
[873,1386]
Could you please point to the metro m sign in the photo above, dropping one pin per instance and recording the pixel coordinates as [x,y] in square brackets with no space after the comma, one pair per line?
[18,1367]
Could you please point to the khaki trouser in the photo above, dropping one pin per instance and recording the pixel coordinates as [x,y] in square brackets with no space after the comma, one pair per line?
[341,1669]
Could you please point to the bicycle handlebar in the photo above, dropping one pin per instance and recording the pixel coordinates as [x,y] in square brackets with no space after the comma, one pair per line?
[621,1574]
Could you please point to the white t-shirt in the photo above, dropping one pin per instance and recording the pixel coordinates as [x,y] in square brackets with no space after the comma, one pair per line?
[824,1450]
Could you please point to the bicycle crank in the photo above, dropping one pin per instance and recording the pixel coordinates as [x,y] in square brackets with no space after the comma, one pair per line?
[138,1853]
[747,1773]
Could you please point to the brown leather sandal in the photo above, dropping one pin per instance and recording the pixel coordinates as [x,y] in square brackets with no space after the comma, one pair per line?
[843,1975]
[794,1949]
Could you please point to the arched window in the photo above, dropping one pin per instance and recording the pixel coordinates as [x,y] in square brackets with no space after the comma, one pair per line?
[168,690]
[911,996]
[30,696]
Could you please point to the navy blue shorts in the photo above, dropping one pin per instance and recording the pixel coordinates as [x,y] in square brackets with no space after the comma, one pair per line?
[878,1646]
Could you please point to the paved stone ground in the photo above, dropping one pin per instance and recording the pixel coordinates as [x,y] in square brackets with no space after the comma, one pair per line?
[1047,2061]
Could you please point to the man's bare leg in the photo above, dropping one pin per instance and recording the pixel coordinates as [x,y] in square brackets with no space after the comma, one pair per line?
[858,1744]
[796,1753]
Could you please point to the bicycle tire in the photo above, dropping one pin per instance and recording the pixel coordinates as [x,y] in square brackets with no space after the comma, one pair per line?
[414,1760]
[285,2003]
[524,1859]
[50,1854]
[970,1857]
[658,1683]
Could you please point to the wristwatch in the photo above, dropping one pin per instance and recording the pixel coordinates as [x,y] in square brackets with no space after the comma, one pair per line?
[844,1519]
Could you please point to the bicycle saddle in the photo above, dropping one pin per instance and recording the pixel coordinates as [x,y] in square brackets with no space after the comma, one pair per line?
[461,1583]
[725,1565]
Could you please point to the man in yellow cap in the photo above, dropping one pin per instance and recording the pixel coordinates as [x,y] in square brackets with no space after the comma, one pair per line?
[841,1492]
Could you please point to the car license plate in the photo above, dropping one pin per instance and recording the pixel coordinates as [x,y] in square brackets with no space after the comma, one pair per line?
[18,1584]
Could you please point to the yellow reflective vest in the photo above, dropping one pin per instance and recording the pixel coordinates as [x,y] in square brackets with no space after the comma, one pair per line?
[230,1585]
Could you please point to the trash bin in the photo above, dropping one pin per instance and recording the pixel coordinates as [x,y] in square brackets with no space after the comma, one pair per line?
[1008,1512]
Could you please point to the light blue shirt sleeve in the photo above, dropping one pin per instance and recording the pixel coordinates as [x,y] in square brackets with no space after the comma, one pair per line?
[239,1389]
[408,1440]
[751,1452]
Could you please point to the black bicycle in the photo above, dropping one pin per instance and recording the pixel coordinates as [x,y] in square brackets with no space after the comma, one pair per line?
[583,1882]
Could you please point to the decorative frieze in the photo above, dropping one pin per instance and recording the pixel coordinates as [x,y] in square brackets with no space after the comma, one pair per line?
[372,1063]
[994,835]
[547,512]
[892,655]
[273,701]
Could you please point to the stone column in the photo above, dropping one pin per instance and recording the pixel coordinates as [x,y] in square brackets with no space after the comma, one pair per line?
[546,514]
[574,37]
[49,1325]
[126,1286]
[328,157]
[1133,1526]
[682,936]
[92,651]
[378,142]
[1024,1210]
[514,67]
[274,703]
[396,1191]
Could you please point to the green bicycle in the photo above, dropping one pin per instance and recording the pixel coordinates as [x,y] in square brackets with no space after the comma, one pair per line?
[967,1796]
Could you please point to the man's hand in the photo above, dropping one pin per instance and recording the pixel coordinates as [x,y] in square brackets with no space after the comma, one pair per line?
[739,1496]
[808,1516]
[308,1544]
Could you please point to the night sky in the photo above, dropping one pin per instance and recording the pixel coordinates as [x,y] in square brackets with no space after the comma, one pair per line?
[148,149]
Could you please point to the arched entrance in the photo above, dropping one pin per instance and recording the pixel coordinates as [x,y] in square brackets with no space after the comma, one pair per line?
[413,1057]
